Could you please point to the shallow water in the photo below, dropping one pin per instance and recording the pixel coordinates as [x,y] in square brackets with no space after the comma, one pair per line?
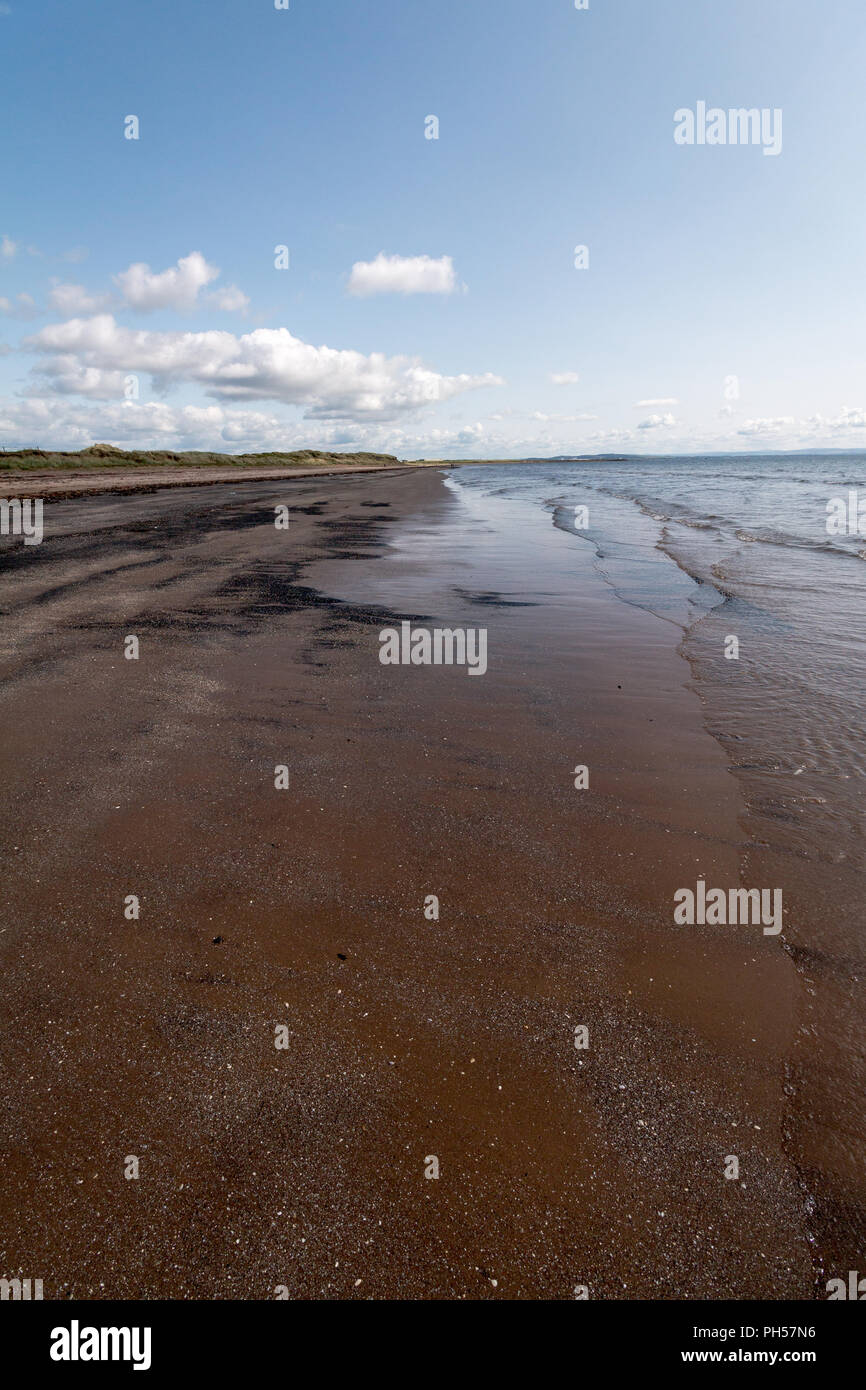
[739,547]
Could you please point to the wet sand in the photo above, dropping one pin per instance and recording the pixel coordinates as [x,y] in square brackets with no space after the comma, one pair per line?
[85,482]
[408,1038]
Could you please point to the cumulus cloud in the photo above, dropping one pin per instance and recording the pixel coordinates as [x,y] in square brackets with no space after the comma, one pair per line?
[71,425]
[175,288]
[657,422]
[75,299]
[611,436]
[8,247]
[64,375]
[155,424]
[267,364]
[230,300]
[65,422]
[564,378]
[850,418]
[761,428]
[403,275]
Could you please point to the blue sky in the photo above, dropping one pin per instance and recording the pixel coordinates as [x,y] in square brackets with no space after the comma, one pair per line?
[723,306]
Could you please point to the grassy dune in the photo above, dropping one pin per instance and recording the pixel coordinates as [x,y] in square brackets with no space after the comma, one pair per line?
[106,456]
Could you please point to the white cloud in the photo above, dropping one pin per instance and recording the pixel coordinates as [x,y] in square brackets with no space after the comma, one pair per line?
[75,299]
[471,434]
[175,288]
[765,427]
[8,247]
[564,378]
[64,422]
[611,436]
[849,419]
[23,306]
[71,425]
[659,400]
[267,364]
[155,424]
[230,300]
[403,275]
[560,419]
[657,422]
[66,376]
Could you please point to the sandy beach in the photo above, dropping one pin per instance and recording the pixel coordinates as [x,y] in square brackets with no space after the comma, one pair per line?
[87,482]
[408,1038]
